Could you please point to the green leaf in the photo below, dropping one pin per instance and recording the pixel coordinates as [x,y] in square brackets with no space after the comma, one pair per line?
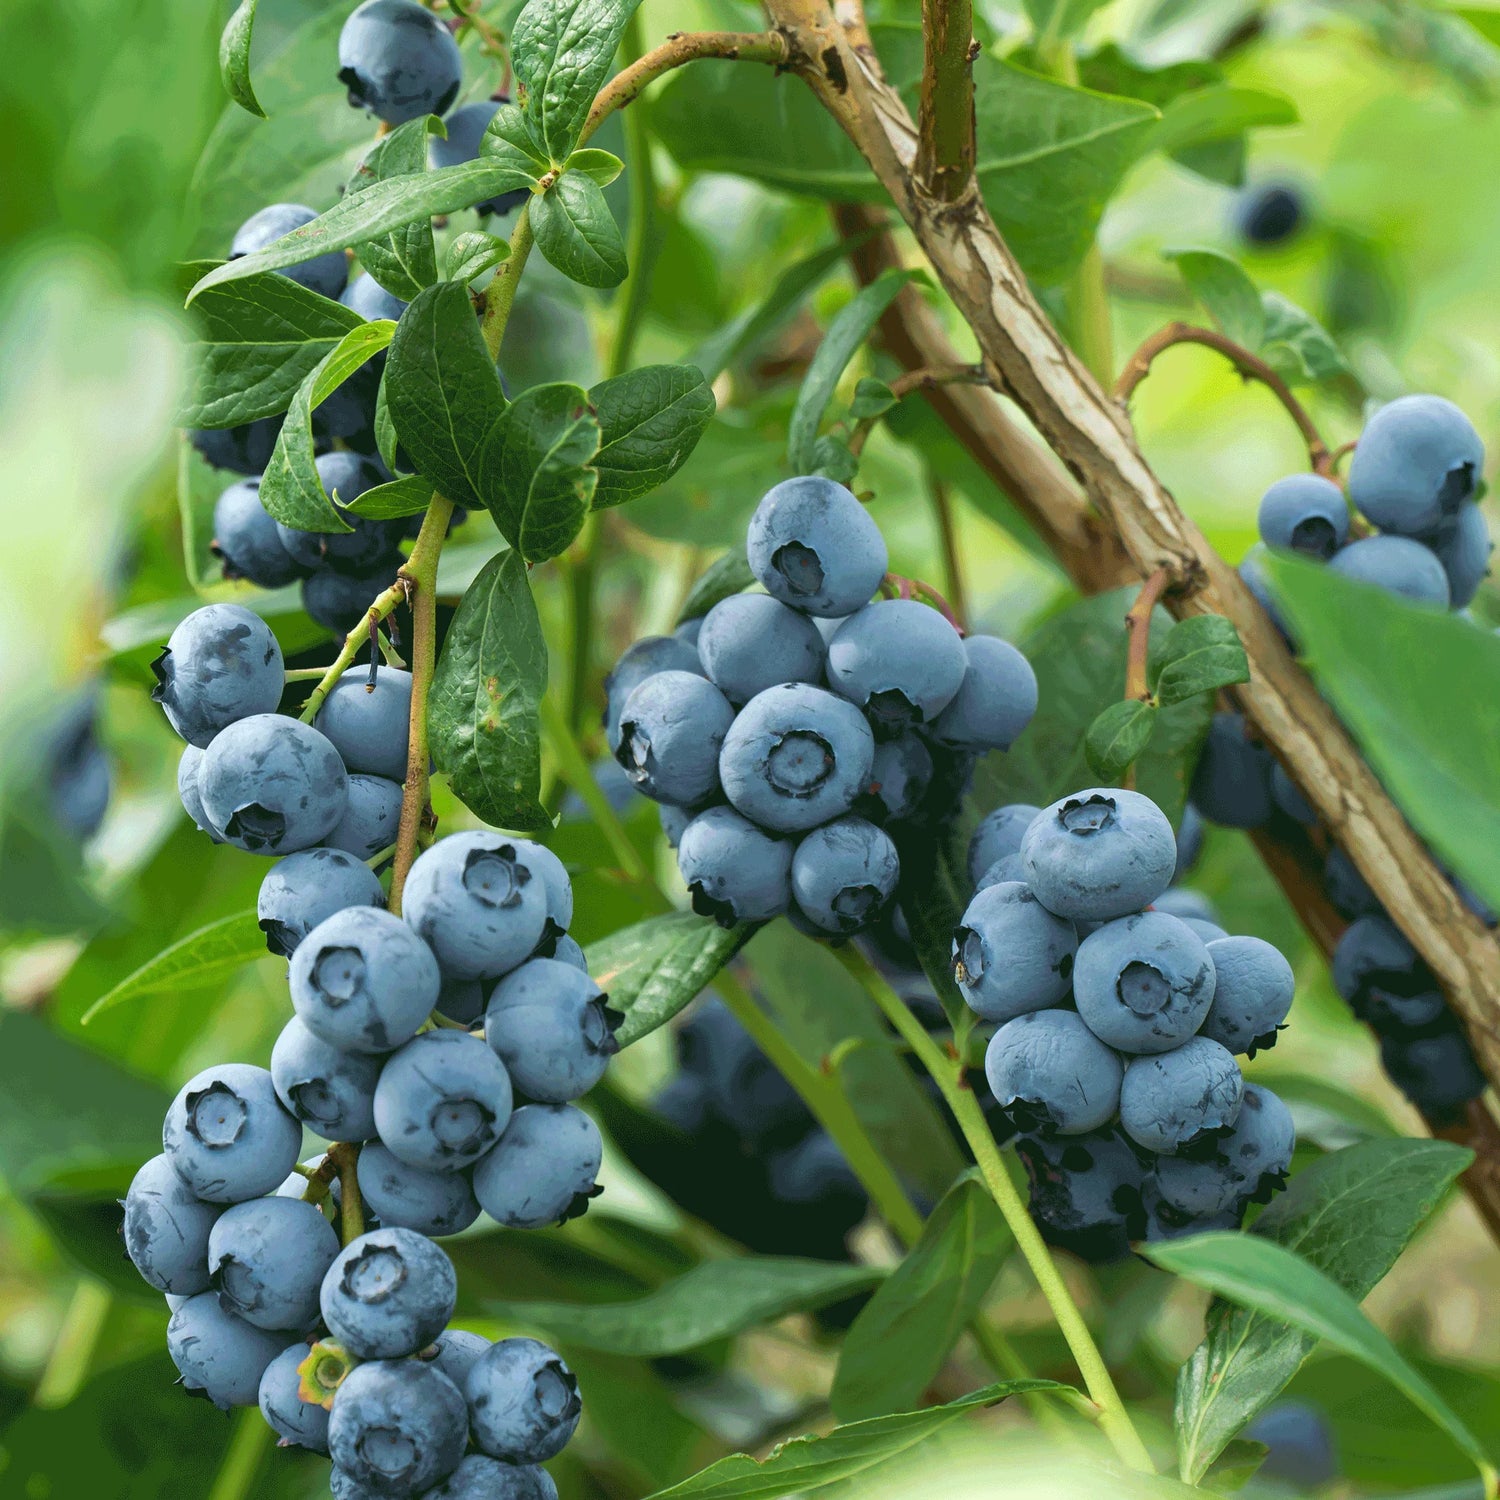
[577,233]
[849,329]
[562,51]
[234,58]
[199,486]
[872,398]
[807,1464]
[933,893]
[408,496]
[904,1335]
[712,1301]
[258,340]
[472,254]
[1200,655]
[1299,348]
[1221,284]
[1218,116]
[653,969]
[1269,1279]
[650,421]
[1424,706]
[725,576]
[482,713]
[538,479]
[601,166]
[442,392]
[206,956]
[1350,1215]
[1117,737]
[405,260]
[290,488]
[833,458]
[1060,20]
[1235,1467]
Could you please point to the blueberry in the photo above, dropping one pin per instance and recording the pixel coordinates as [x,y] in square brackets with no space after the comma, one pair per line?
[995,701]
[305,889]
[397,1425]
[1288,797]
[1206,932]
[345,477]
[462,1000]
[547,868]
[272,785]
[671,728]
[750,642]
[398,61]
[1009,867]
[247,539]
[900,661]
[338,601]
[298,1423]
[815,1174]
[523,1401]
[1050,1073]
[647,657]
[1397,564]
[1270,213]
[372,816]
[844,874]
[389,1294]
[734,872]
[900,774]
[1189,841]
[1463,546]
[674,822]
[683,1102]
[476,901]
[1232,780]
[482,1478]
[219,1354]
[221,664]
[443,1100]
[1010,954]
[568,952]
[544,1169]
[406,1197]
[268,1258]
[369,726]
[1163,1222]
[344,1486]
[1437,1071]
[324,273]
[1180,1099]
[228,1136]
[1000,833]
[814,546]
[1180,902]
[1252,994]
[1252,571]
[690,630]
[371,301]
[187,790]
[454,1352]
[743,1089]
[1305,513]
[245,449]
[1301,1443]
[330,1091]
[295,1185]
[1085,1192]
[1346,887]
[551,1026]
[1417,461]
[1383,979]
[167,1228]
[363,980]
[1099,854]
[466,128]
[1249,1163]
[796,757]
[1143,983]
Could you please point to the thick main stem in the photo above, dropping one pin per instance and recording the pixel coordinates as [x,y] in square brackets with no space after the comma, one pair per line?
[945,115]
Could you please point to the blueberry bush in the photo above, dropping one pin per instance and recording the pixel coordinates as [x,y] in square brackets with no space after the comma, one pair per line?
[751,751]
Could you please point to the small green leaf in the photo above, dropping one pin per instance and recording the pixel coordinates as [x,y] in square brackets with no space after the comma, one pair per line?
[1200,655]
[872,398]
[234,58]
[483,709]
[506,139]
[577,233]
[602,166]
[1117,737]
[1060,20]
[833,458]
[1235,1467]
[1216,116]
[726,575]
[1221,284]
[650,421]
[408,496]
[405,260]
[472,254]
[1296,345]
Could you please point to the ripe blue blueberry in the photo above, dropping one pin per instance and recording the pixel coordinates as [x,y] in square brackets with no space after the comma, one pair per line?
[1288,797]
[454,1352]
[1305,513]
[219,1354]
[466,128]
[1143,983]
[1463,546]
[733,870]
[369,726]
[671,728]
[1050,1073]
[899,661]
[371,301]
[397,1425]
[268,1258]
[1409,569]
[219,665]
[228,1136]
[307,888]
[389,1294]
[1382,977]
[1346,887]
[551,1026]
[1302,1452]
[1253,575]
[245,449]
[544,1169]
[844,874]
[1179,1099]
[405,1197]
[1252,994]
[1417,461]
[745,1091]
[339,600]
[999,833]
[674,822]
[476,901]
[167,1228]
[812,545]
[398,61]
[272,785]
[298,1423]
[345,476]
[1437,1072]
[372,815]
[750,642]
[1085,1191]
[1232,781]
[1010,954]
[796,757]
[1270,213]
[995,701]
[247,540]
[442,1101]
[1247,1164]
[568,952]
[1189,841]
[325,273]
[1007,867]
[363,980]
[1180,902]
[814,1172]
[547,868]
[523,1401]
[187,790]
[1099,854]
[647,657]
[480,1477]
[900,775]
[329,1090]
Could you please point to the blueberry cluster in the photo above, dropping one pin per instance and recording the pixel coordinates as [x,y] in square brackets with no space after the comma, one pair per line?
[785,732]
[1120,1023]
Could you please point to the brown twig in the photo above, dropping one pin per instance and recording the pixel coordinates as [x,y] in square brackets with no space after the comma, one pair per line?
[945,115]
[942,514]
[1138,647]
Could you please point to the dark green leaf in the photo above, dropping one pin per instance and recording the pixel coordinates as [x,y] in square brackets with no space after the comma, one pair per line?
[1235,1467]
[726,575]
[472,254]
[1117,737]
[1220,283]
[1296,345]
[482,714]
[905,1333]
[833,458]
[234,58]
[577,233]
[405,260]
[602,166]
[933,893]
[407,496]
[1200,655]
[199,486]
[538,479]
[442,392]
[650,421]
[872,398]
[1218,116]
[385,433]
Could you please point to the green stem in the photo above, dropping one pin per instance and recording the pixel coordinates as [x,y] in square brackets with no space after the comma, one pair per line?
[1093,333]
[242,1459]
[583,564]
[73,1353]
[383,605]
[946,1072]
[641,251]
[953,577]
[345,1155]
[500,295]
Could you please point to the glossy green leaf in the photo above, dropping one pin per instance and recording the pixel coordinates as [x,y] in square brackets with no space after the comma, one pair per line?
[482,714]
[507,139]
[1117,737]
[1217,115]
[601,166]
[1200,655]
[1221,284]
[933,893]
[199,486]
[408,496]
[726,575]
[472,253]
[905,1333]
[1060,20]
[1299,348]
[650,420]
[577,233]
[234,58]
[872,398]
[405,260]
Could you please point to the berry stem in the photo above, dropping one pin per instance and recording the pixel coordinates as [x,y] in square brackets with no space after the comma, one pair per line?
[345,1157]
[385,603]
[953,576]
[1138,647]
